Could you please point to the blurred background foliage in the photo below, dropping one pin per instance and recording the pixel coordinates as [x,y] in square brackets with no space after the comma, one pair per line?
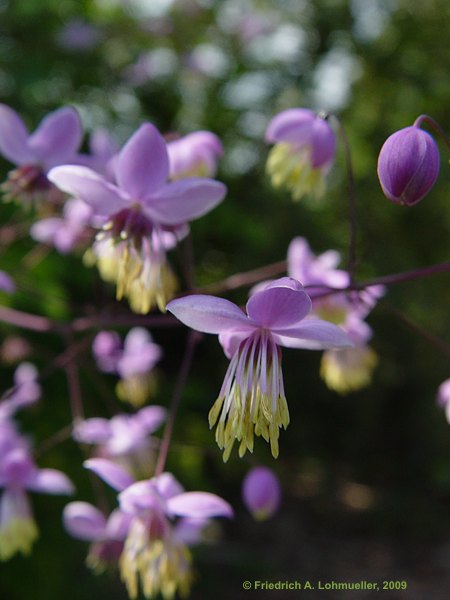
[366,477]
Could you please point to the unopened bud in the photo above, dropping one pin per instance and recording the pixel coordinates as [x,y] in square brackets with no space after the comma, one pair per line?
[261,492]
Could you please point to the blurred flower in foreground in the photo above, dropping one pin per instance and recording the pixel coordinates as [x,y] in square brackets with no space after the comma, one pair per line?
[155,552]
[86,522]
[77,35]
[251,400]
[6,283]
[19,474]
[134,362]
[261,492]
[124,438]
[443,397]
[303,153]
[55,142]
[408,165]
[195,154]
[140,210]
[350,369]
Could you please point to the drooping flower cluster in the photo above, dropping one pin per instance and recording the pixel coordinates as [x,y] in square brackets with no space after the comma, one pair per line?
[134,363]
[155,554]
[144,215]
[252,400]
[303,153]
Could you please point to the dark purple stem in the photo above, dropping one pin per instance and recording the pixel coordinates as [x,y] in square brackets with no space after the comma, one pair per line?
[192,339]
[435,125]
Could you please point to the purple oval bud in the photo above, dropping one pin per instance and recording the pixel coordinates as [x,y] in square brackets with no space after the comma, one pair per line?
[261,492]
[408,165]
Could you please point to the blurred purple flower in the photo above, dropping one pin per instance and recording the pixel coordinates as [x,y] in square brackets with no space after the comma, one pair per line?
[195,154]
[261,492]
[123,434]
[86,522]
[408,165]
[140,208]
[66,231]
[305,146]
[19,474]
[443,397]
[26,390]
[6,283]
[107,350]
[153,539]
[252,398]
[55,142]
[78,35]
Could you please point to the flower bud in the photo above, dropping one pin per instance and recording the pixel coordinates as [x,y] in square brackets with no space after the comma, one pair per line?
[261,492]
[408,165]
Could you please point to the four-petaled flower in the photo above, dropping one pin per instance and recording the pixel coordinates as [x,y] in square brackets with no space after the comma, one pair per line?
[155,551]
[143,210]
[251,400]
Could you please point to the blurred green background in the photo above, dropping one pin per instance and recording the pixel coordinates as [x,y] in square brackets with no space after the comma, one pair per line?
[366,477]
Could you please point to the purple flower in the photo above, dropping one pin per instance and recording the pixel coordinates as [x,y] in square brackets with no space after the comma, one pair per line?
[85,522]
[19,474]
[443,397]
[252,398]
[78,35]
[66,231]
[261,492]
[155,550]
[304,151]
[140,209]
[195,154]
[123,435]
[6,283]
[26,390]
[408,165]
[134,363]
[55,142]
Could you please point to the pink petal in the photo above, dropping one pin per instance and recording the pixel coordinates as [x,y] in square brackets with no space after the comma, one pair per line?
[168,486]
[51,481]
[84,521]
[143,164]
[92,431]
[313,334]
[14,137]
[141,496]
[209,314]
[185,200]
[83,183]
[58,137]
[151,417]
[118,525]
[292,126]
[112,474]
[281,304]
[198,505]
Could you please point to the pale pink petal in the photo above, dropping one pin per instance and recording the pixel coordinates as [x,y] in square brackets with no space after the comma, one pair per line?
[112,474]
[199,505]
[168,486]
[312,334]
[92,431]
[14,137]
[209,314]
[184,200]
[279,305]
[58,137]
[84,521]
[81,182]
[51,481]
[143,164]
[141,496]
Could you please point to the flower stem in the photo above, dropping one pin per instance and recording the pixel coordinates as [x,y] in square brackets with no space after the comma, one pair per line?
[192,339]
[435,125]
